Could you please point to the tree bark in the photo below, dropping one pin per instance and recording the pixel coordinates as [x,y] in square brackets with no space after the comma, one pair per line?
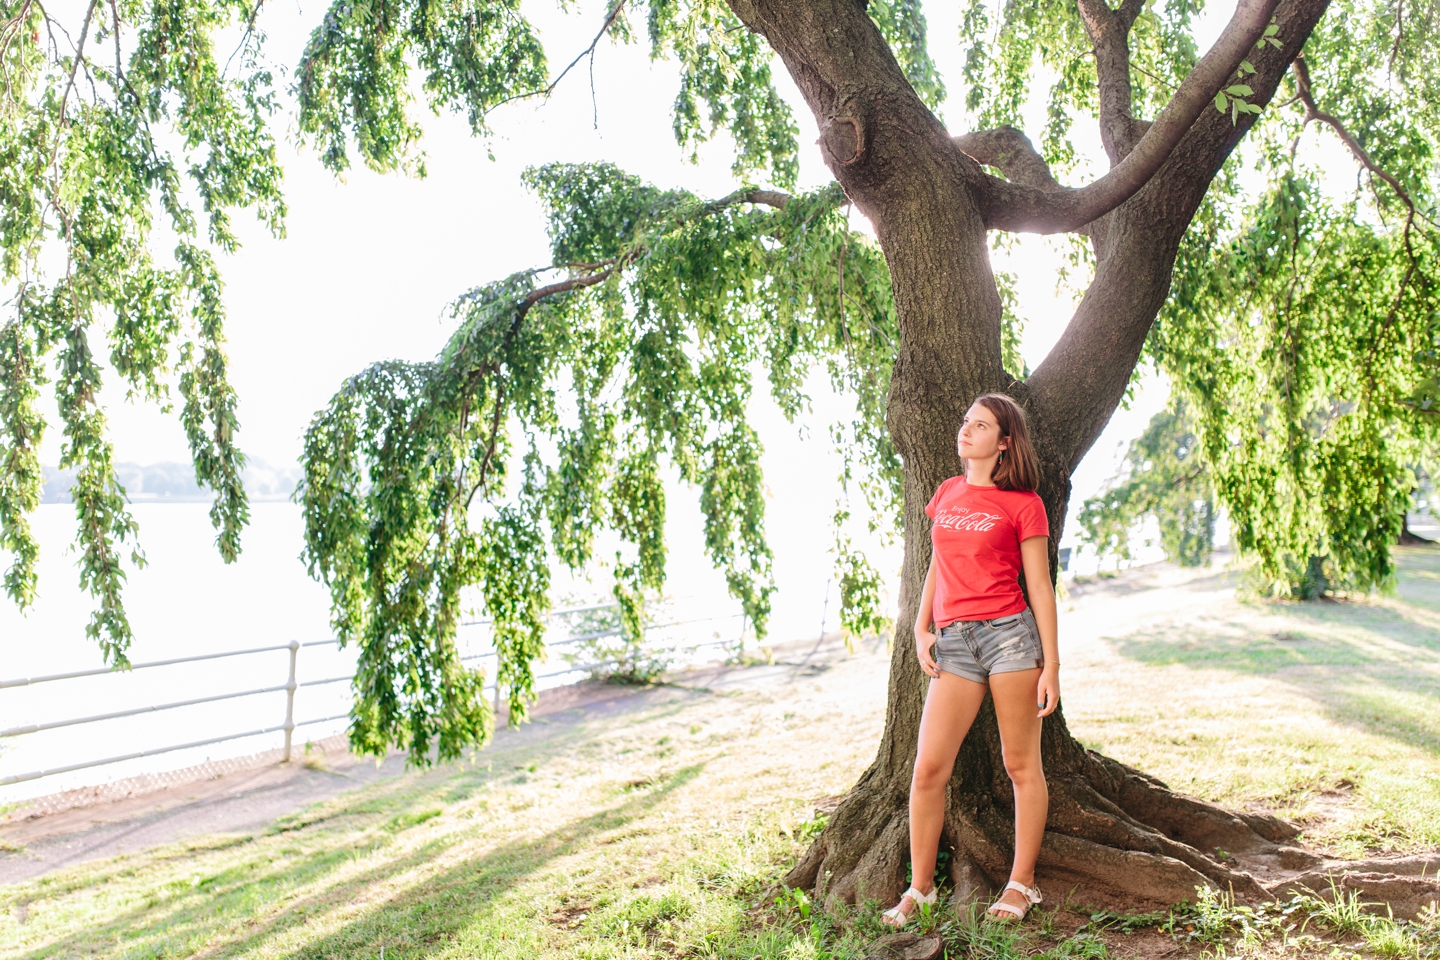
[1113,832]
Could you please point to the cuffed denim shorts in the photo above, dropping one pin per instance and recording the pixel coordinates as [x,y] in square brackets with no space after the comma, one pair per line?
[974,649]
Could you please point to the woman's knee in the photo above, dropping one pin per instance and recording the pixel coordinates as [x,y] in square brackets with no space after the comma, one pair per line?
[1024,769]
[930,774]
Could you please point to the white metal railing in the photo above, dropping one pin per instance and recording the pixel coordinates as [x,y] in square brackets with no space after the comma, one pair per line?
[290,686]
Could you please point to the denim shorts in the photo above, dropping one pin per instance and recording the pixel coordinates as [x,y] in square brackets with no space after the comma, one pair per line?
[974,649]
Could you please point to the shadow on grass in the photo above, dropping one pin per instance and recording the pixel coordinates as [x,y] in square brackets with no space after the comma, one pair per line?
[282,884]
[428,915]
[1371,667]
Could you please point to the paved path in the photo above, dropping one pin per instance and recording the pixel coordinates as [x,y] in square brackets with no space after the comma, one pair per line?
[249,800]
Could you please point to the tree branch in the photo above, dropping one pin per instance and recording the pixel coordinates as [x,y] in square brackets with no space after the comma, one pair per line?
[1109,32]
[549,88]
[1075,389]
[768,198]
[1026,209]
[1012,153]
[1313,112]
[593,273]
[565,286]
[1305,91]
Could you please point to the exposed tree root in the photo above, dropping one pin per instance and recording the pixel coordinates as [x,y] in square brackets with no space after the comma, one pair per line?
[1403,886]
[1115,836]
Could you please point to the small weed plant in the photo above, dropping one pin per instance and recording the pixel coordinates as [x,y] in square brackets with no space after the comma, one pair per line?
[601,647]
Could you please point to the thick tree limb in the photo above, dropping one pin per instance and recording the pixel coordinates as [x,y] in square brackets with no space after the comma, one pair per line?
[1109,32]
[1076,388]
[766,198]
[565,286]
[1012,153]
[897,163]
[1025,209]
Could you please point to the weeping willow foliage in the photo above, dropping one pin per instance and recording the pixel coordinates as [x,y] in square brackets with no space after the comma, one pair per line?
[1312,414]
[1300,334]
[1311,418]
[1305,315]
[121,124]
[1165,480]
[556,409]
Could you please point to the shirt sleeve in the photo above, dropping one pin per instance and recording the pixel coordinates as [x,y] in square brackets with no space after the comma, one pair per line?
[1031,521]
[935,500]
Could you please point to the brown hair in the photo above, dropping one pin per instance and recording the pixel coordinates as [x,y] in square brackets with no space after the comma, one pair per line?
[1017,468]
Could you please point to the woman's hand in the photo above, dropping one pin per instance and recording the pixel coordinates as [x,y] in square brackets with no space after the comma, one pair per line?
[924,644]
[1047,691]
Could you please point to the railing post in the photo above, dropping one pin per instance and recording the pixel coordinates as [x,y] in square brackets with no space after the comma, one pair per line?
[290,699]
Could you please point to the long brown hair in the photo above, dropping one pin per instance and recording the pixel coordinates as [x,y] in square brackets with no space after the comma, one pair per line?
[1017,468]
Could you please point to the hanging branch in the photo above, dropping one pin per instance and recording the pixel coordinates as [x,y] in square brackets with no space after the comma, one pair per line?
[589,51]
[1305,91]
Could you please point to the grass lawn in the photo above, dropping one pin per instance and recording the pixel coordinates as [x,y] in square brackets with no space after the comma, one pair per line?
[1326,713]
[661,830]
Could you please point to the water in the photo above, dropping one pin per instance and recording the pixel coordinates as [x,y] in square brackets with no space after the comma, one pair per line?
[185,602]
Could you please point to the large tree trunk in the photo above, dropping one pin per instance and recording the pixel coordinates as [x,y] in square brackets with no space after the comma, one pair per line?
[1113,832]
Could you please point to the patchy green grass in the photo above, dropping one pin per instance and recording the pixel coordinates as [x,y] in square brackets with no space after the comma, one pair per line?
[1327,713]
[663,831]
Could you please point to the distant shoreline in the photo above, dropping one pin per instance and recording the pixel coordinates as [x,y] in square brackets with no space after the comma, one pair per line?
[171,482]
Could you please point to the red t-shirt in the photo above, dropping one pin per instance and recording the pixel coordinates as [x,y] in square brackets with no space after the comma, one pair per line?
[976,537]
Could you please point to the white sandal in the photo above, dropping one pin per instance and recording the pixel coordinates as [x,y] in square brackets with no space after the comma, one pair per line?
[899,918]
[1031,894]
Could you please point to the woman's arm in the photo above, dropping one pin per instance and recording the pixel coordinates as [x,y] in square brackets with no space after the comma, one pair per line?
[924,639]
[1035,556]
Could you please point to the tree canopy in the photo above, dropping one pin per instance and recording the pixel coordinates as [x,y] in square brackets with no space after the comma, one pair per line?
[1301,329]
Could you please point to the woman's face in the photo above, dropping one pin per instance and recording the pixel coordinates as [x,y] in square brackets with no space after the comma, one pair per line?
[979,436]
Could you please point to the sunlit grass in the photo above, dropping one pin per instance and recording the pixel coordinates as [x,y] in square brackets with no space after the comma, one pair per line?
[1325,712]
[655,831]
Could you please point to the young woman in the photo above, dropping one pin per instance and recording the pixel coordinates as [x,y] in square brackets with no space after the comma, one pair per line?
[988,525]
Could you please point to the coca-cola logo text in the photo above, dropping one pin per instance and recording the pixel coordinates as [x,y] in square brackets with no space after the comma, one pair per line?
[959,518]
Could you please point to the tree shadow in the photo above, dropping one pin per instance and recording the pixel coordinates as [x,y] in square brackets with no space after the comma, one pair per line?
[197,915]
[426,916]
[1370,668]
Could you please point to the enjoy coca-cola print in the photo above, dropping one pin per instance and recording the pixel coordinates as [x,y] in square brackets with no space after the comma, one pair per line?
[961,518]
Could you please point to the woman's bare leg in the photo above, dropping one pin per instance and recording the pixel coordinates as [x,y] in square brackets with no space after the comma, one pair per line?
[950,709]
[1015,710]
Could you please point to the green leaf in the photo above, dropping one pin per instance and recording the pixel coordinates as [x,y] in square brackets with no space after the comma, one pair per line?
[1272,30]
[1246,67]
[1239,90]
[1220,101]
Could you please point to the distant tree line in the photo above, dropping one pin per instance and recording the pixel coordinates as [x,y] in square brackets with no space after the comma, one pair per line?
[171,482]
